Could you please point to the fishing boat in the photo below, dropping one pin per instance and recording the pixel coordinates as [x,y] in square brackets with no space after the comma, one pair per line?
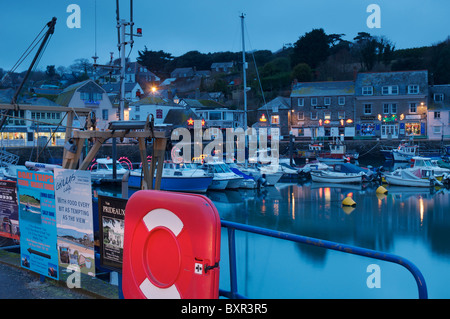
[177,178]
[337,153]
[102,170]
[336,177]
[407,177]
[405,152]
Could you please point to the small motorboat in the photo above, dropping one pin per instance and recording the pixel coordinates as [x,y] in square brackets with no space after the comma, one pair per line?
[102,170]
[177,178]
[428,167]
[223,177]
[248,182]
[407,177]
[336,177]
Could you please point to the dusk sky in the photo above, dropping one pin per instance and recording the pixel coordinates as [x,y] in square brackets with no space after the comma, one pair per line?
[210,25]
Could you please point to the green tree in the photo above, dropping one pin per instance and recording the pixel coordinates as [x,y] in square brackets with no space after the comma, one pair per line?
[312,48]
[302,72]
[154,60]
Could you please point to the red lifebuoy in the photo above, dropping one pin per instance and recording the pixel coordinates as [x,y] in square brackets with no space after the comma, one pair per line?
[171,246]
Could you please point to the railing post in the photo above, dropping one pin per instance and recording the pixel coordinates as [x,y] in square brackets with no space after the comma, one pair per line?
[232,260]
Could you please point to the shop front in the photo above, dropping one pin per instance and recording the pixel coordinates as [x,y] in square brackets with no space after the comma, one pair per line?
[389,126]
[413,126]
[368,127]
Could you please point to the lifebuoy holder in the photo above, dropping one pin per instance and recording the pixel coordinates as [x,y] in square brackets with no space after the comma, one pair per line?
[171,246]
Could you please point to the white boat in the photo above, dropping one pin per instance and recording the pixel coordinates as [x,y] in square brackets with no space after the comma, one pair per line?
[288,171]
[407,177]
[102,170]
[428,167]
[270,174]
[261,173]
[223,177]
[10,172]
[324,176]
[313,166]
[177,177]
[405,152]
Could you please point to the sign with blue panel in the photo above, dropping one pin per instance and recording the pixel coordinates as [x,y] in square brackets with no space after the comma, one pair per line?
[37,219]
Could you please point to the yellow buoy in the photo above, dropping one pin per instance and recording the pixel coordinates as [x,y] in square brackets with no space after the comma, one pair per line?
[381,190]
[348,201]
[348,209]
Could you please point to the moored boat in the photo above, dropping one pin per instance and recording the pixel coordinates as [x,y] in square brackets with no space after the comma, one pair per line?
[176,177]
[223,177]
[336,177]
[406,177]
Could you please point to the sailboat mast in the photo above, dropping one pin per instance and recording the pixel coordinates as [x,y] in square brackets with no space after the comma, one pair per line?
[244,79]
[244,67]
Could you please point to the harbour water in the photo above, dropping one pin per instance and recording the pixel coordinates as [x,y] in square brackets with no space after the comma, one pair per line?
[413,223]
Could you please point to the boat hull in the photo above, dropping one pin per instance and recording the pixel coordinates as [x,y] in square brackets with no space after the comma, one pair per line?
[398,181]
[177,184]
[235,183]
[335,178]
[218,184]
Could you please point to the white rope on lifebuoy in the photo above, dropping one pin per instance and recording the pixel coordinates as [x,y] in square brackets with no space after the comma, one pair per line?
[161,217]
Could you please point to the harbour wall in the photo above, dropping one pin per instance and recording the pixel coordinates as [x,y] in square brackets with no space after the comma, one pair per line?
[53,154]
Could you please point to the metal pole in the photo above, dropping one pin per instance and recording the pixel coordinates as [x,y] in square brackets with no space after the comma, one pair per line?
[122,71]
[232,260]
[244,79]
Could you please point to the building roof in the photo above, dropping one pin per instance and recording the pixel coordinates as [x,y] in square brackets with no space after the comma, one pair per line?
[6,95]
[404,78]
[283,103]
[439,89]
[222,65]
[153,100]
[66,95]
[178,117]
[40,101]
[335,88]
[202,103]
[115,87]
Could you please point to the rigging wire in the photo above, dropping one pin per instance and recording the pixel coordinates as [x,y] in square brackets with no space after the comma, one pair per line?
[25,54]
[256,69]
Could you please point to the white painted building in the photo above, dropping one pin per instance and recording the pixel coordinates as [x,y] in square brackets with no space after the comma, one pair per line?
[155,106]
[438,112]
[88,94]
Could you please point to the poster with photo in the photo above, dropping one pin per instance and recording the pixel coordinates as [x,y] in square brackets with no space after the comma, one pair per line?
[9,210]
[37,219]
[111,213]
[74,215]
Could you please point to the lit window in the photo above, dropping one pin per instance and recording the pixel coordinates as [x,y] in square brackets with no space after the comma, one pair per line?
[275,119]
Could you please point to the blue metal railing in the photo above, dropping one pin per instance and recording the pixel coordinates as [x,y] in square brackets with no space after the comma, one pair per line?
[232,226]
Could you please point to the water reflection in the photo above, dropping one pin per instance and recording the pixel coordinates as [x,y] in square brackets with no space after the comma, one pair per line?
[404,221]
[411,222]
